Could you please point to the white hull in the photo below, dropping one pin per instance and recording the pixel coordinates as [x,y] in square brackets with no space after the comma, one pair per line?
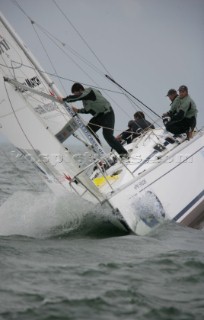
[170,190]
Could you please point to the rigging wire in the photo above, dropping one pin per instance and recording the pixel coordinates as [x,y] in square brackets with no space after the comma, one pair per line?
[124,92]
[124,111]
[73,51]
[82,38]
[20,8]
[147,113]
[71,60]
[111,79]
[14,1]
[14,113]
[59,110]
[63,44]
[92,51]
[34,98]
[60,77]
[92,79]
[33,24]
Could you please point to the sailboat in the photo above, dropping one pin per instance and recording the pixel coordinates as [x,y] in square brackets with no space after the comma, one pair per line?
[159,181]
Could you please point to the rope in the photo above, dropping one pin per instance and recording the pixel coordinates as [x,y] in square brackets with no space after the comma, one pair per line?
[128,131]
[14,113]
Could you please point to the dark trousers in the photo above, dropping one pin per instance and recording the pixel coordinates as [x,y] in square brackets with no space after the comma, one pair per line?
[183,126]
[107,122]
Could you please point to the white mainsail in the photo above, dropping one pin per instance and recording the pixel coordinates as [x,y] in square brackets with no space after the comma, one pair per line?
[32,122]
[18,63]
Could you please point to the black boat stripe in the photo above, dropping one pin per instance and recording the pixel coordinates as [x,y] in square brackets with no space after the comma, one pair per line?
[172,169]
[183,211]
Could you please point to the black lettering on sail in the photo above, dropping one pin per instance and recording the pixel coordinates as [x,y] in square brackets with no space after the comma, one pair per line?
[3,46]
[33,82]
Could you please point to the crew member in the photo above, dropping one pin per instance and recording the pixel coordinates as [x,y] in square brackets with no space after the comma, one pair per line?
[103,114]
[183,120]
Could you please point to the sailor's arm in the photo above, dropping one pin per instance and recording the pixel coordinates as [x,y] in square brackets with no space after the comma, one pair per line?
[87,94]
[178,116]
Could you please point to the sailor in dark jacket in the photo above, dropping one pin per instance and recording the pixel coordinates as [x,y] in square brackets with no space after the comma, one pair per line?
[135,127]
[175,103]
[103,114]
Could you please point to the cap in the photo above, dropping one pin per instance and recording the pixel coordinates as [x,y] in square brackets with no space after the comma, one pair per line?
[182,88]
[171,91]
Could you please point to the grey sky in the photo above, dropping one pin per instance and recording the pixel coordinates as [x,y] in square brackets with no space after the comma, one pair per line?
[148,46]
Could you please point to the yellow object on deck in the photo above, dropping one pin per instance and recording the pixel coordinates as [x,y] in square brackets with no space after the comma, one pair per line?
[100,181]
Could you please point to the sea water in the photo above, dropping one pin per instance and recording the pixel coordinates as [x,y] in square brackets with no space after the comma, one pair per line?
[60,258]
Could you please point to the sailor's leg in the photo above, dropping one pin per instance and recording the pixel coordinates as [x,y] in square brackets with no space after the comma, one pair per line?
[108,129]
[178,127]
[93,126]
[192,125]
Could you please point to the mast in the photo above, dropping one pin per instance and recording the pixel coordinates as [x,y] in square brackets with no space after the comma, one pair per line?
[96,146]
[32,124]
[30,56]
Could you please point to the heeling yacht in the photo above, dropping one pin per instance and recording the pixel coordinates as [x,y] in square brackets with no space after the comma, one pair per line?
[161,179]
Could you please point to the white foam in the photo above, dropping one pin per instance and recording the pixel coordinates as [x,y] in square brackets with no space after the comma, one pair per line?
[35,214]
[148,205]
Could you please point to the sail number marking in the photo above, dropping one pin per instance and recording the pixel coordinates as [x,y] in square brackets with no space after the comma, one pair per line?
[140,184]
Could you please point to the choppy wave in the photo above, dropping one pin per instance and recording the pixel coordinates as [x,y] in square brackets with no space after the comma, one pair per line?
[158,277]
[63,258]
[43,215]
